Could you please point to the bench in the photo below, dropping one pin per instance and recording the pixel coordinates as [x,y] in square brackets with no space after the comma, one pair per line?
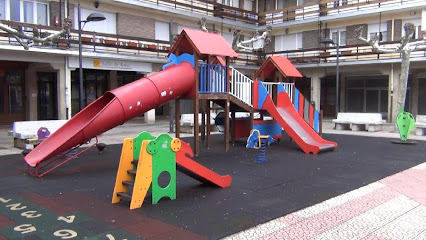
[359,121]
[187,122]
[25,133]
[420,125]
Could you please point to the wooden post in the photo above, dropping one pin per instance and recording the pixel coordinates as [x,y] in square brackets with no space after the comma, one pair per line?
[208,124]
[320,123]
[177,117]
[227,106]
[233,127]
[203,120]
[196,105]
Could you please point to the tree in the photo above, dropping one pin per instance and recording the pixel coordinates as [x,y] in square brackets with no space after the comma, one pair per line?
[27,39]
[237,44]
[405,48]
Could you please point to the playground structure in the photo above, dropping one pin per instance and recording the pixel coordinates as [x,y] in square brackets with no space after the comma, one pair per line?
[196,70]
[157,156]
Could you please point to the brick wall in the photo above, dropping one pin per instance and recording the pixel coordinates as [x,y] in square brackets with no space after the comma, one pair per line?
[350,33]
[54,8]
[398,29]
[389,32]
[310,39]
[135,26]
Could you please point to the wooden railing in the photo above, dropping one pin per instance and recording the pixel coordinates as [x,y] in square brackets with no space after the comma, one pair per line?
[325,8]
[208,8]
[110,43]
[293,13]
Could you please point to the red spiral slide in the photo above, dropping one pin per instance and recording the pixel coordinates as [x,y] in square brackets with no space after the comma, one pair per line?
[116,107]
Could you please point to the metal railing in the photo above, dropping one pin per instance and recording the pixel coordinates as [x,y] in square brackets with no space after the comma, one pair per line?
[288,87]
[241,86]
[212,78]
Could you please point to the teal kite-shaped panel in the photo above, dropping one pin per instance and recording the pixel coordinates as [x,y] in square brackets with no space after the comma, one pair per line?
[175,60]
[163,163]
[405,122]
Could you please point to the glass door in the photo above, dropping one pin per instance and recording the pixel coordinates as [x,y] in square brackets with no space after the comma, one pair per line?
[47,103]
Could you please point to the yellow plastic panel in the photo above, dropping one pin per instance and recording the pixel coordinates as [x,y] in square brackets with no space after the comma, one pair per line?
[143,178]
[125,164]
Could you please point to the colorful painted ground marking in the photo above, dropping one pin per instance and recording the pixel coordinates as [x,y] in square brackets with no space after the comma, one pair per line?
[31,220]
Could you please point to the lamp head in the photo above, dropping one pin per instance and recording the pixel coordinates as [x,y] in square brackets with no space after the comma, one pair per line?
[327,41]
[95,17]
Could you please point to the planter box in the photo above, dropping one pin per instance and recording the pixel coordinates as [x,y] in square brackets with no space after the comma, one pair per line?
[132,44]
[152,46]
[347,52]
[325,54]
[111,42]
[86,39]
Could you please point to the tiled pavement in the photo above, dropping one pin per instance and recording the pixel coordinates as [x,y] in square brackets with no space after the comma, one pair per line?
[393,208]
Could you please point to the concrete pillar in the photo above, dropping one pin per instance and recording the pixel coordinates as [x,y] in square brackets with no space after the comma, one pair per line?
[31,86]
[342,93]
[149,117]
[316,91]
[61,81]
[112,83]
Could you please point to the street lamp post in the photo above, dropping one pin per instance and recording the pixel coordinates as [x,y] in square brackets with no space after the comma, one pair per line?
[93,17]
[330,41]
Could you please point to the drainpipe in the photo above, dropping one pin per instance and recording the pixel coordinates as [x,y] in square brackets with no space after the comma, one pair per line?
[391,93]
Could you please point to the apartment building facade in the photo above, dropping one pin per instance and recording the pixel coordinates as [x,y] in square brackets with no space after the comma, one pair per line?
[133,41]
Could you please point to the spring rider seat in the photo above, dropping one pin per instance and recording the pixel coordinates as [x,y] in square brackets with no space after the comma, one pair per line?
[259,142]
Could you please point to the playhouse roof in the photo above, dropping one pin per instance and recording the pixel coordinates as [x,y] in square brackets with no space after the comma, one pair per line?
[279,63]
[204,43]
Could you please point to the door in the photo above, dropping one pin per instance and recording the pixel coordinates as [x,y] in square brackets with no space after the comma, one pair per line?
[47,101]
[12,104]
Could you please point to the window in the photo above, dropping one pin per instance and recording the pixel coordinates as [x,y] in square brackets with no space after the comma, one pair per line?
[2,9]
[42,14]
[29,11]
[382,35]
[341,39]
[15,12]
[162,31]
[288,42]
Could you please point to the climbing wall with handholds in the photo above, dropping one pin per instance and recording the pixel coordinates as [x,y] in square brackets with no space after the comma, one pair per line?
[164,166]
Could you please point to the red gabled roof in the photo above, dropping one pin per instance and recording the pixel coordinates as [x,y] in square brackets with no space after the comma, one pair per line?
[205,43]
[279,63]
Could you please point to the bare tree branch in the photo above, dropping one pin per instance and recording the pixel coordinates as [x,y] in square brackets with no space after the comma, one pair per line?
[20,35]
[245,45]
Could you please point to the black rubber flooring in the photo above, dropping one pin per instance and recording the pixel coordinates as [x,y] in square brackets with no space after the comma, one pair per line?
[290,180]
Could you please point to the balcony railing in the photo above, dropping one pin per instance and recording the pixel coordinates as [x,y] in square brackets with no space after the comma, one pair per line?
[110,43]
[326,8]
[293,13]
[93,41]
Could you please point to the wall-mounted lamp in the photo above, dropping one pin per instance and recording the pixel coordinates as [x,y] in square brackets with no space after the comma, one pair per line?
[413,13]
[96,3]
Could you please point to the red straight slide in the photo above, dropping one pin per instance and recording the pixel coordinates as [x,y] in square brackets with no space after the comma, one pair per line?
[115,108]
[296,127]
[197,171]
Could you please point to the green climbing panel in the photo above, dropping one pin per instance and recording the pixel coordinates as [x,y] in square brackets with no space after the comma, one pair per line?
[405,122]
[137,142]
[163,163]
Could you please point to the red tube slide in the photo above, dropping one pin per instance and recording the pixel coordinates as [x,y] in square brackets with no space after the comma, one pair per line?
[116,107]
